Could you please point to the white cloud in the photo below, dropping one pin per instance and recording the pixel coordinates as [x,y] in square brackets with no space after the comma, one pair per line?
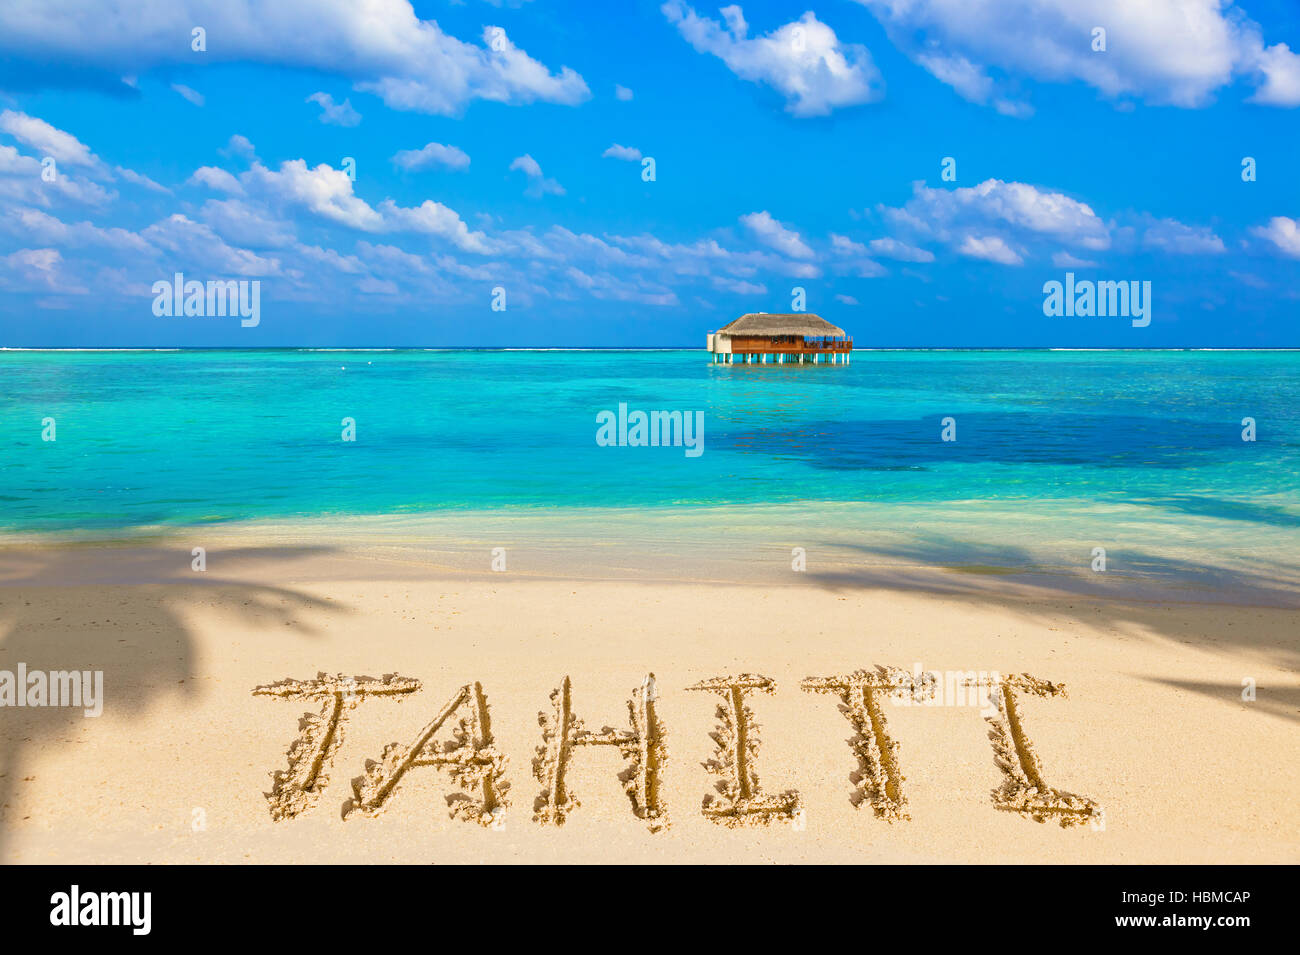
[538,185]
[628,153]
[1170,235]
[776,236]
[332,260]
[738,286]
[49,141]
[452,73]
[139,179]
[335,114]
[894,249]
[435,219]
[246,224]
[961,74]
[1281,70]
[702,258]
[328,193]
[66,150]
[196,247]
[239,146]
[1064,260]
[325,191]
[603,285]
[846,300]
[37,270]
[432,154]
[21,181]
[527,164]
[215,178]
[1284,233]
[194,96]
[373,286]
[622,93]
[843,245]
[1175,52]
[990,248]
[803,60]
[382,46]
[952,215]
[853,258]
[37,226]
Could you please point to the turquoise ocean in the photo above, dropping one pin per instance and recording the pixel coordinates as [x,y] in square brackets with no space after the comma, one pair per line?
[159,439]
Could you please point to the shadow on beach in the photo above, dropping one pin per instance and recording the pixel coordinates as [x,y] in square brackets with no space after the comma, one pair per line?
[1139,591]
[131,628]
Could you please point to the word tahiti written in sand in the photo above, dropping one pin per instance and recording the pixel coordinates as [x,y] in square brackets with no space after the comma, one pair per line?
[468,751]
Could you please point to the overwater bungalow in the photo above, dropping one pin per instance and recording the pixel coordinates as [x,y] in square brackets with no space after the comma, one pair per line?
[759,337]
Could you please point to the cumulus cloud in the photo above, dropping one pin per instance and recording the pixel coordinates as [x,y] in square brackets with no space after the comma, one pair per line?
[538,185]
[991,248]
[335,114]
[246,224]
[1281,71]
[435,219]
[239,146]
[603,285]
[41,227]
[196,246]
[1173,52]
[803,60]
[853,258]
[622,93]
[703,258]
[432,154]
[527,165]
[738,286]
[327,192]
[49,141]
[1064,260]
[37,270]
[843,245]
[21,181]
[981,212]
[323,190]
[1283,233]
[382,46]
[776,236]
[215,178]
[1169,235]
[66,151]
[628,153]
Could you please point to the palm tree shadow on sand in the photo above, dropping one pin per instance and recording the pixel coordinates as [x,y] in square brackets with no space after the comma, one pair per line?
[133,631]
[985,574]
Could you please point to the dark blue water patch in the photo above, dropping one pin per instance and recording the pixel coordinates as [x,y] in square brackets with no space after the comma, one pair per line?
[1223,509]
[1083,440]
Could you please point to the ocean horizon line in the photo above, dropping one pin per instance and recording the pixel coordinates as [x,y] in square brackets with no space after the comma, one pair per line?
[601,348]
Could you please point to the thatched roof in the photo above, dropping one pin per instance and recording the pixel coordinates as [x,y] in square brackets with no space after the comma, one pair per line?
[769,324]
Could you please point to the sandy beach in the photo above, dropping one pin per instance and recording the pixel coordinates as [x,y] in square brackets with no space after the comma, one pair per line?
[1153,729]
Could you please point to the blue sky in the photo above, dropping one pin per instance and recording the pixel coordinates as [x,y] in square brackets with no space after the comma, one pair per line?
[795,145]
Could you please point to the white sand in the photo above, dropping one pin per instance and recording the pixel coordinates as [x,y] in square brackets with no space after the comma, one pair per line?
[1154,728]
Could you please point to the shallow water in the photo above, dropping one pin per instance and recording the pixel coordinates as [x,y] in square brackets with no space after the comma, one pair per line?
[1051,447]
